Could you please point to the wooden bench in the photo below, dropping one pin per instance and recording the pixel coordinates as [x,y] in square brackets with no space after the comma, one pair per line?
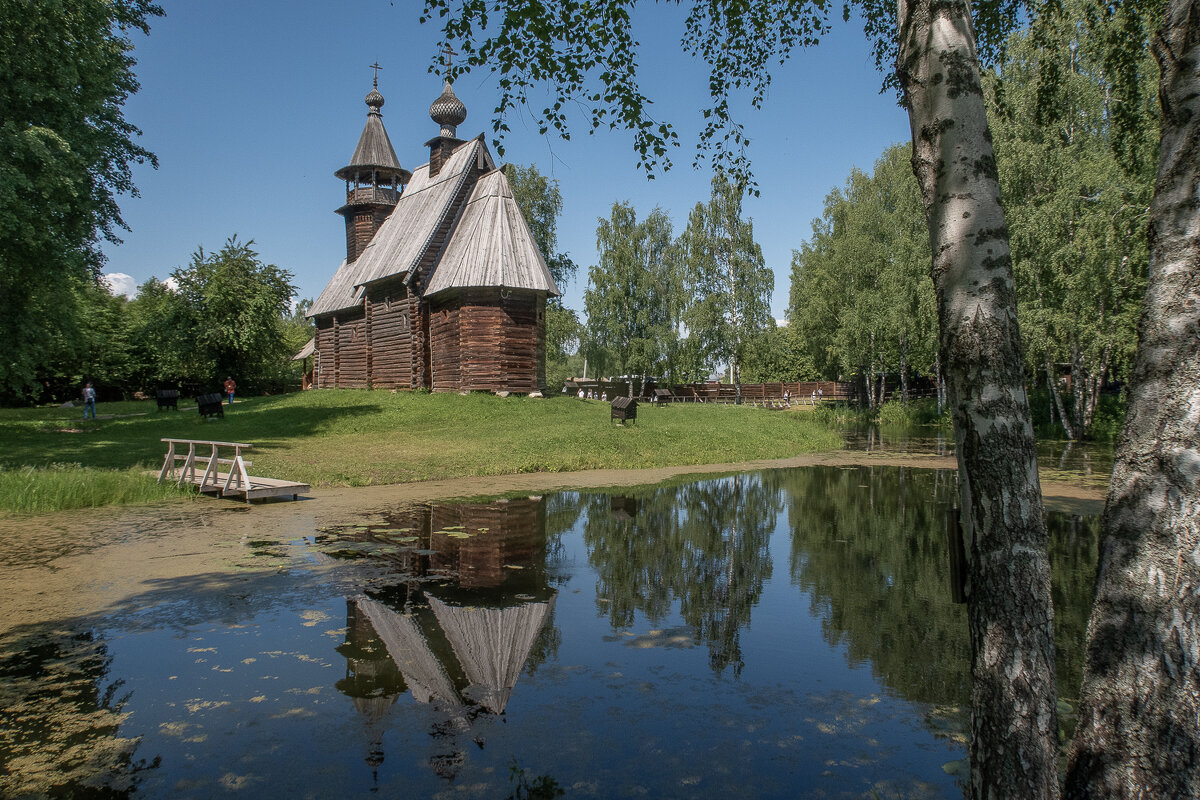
[209,405]
[234,482]
[167,398]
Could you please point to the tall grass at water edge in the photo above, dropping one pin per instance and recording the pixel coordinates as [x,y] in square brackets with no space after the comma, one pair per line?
[893,413]
[61,487]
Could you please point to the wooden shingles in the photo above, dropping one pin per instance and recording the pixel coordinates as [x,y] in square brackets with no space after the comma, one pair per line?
[492,245]
[407,234]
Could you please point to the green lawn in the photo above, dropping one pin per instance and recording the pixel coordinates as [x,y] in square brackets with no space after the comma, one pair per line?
[356,438]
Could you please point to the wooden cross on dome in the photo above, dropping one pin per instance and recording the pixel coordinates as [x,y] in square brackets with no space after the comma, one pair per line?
[375,80]
[450,54]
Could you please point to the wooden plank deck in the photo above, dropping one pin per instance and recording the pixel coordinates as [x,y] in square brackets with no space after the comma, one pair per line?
[235,482]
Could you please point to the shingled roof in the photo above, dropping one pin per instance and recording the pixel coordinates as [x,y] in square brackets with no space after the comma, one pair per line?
[341,292]
[406,234]
[491,245]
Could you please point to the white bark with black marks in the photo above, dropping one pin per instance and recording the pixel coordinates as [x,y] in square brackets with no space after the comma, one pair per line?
[1014,720]
[1139,725]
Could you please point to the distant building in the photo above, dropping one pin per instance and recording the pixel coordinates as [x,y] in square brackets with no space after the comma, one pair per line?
[443,287]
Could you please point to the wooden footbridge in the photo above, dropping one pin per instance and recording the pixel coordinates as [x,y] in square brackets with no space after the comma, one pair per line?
[203,470]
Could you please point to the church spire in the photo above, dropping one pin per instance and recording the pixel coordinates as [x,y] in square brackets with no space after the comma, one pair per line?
[373,177]
[374,160]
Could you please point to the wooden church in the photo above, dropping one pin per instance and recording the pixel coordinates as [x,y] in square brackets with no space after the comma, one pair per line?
[443,287]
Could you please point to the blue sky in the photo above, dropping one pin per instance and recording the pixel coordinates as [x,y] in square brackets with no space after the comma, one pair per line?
[252,106]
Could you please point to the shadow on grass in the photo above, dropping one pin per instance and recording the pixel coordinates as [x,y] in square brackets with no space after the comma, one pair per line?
[129,441]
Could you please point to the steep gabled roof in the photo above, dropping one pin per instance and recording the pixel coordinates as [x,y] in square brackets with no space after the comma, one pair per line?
[425,675]
[341,292]
[407,233]
[491,245]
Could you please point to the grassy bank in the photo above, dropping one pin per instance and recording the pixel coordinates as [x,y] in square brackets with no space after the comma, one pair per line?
[356,438]
[61,487]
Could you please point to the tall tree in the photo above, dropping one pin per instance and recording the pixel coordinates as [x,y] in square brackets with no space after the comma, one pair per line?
[1138,734]
[727,281]
[232,307]
[1077,208]
[629,299]
[1014,717]
[861,298]
[66,69]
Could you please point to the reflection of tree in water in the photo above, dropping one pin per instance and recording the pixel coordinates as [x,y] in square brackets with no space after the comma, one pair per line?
[59,735]
[869,546]
[470,611]
[704,544]
[1074,554]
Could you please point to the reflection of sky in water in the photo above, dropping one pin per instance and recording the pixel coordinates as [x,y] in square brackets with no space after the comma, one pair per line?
[763,656]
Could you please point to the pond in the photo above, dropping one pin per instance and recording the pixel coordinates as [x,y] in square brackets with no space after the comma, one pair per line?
[782,633]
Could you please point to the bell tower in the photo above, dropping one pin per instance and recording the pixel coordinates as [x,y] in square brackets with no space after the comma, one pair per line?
[374,178]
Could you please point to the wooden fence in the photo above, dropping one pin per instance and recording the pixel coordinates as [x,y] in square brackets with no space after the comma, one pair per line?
[797,392]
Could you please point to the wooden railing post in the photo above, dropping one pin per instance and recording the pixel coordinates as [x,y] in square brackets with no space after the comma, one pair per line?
[168,462]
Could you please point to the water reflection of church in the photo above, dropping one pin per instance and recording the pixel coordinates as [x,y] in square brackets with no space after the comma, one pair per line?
[458,628]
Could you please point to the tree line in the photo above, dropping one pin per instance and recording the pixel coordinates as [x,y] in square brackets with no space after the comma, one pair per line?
[676,307]
[224,314]
[1076,189]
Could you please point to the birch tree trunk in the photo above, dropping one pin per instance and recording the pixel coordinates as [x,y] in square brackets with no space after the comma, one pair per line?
[1014,719]
[1139,721]
[1057,404]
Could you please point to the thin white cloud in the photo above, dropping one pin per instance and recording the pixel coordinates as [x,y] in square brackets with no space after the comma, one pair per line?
[120,283]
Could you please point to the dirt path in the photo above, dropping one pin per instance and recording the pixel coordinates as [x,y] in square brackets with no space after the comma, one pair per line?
[60,566]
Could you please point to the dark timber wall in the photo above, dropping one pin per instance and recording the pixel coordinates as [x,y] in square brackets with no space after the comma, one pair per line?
[323,348]
[350,346]
[445,343]
[501,342]
[390,313]
[478,340]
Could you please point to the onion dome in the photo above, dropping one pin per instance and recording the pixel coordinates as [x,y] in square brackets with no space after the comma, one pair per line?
[374,101]
[374,160]
[448,111]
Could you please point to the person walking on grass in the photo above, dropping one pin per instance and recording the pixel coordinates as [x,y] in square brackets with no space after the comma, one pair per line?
[89,401]
[230,386]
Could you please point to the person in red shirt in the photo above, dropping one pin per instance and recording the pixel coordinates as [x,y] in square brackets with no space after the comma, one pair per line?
[230,385]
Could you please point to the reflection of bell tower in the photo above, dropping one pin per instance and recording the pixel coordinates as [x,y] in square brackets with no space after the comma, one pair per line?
[374,178]
[372,680]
